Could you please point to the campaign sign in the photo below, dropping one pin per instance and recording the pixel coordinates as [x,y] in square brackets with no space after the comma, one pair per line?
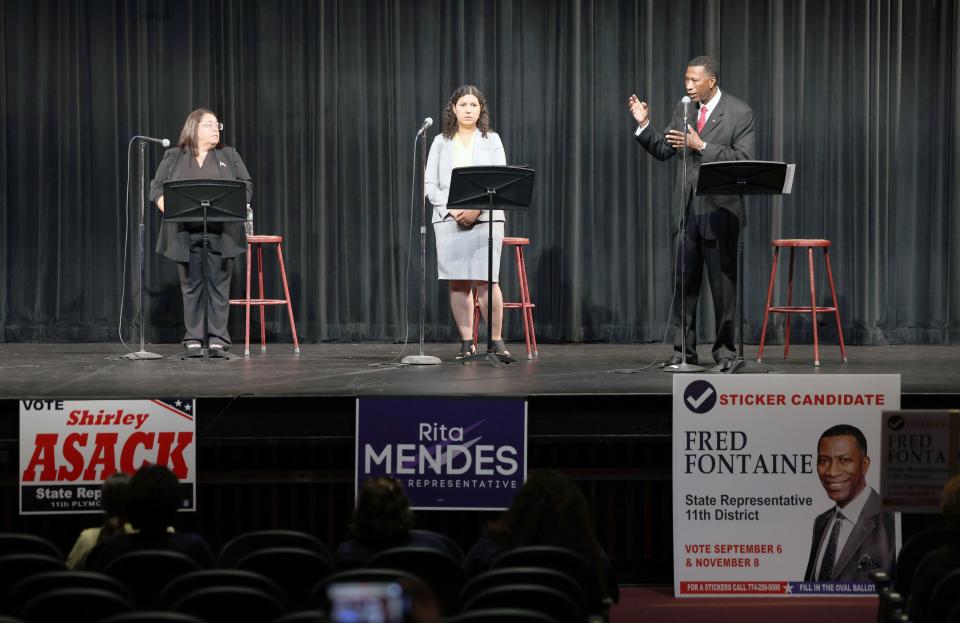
[450,454]
[921,451]
[776,482]
[69,447]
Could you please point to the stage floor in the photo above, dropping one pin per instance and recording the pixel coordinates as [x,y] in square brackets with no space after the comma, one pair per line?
[92,371]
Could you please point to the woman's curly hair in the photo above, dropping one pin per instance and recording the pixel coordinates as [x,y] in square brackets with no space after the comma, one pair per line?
[383,514]
[449,125]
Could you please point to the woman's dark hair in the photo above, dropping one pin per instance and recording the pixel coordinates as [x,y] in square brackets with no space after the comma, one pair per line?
[383,516]
[154,498]
[550,510]
[188,135]
[449,125]
[113,499]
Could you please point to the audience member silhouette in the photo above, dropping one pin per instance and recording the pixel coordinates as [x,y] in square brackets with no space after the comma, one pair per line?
[549,510]
[942,560]
[153,500]
[381,520]
[113,500]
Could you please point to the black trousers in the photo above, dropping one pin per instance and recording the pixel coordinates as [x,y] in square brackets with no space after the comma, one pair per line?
[218,291]
[720,258]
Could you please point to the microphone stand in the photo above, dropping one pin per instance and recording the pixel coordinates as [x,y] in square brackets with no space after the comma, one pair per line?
[683,366]
[421,359]
[142,353]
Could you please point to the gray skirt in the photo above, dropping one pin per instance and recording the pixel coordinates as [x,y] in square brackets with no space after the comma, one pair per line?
[462,253]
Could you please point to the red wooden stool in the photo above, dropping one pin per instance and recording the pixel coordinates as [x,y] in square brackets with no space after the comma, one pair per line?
[813,308]
[525,305]
[257,242]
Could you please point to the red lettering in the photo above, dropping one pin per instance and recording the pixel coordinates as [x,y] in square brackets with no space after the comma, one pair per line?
[72,455]
[177,465]
[44,456]
[130,448]
[164,442]
[104,454]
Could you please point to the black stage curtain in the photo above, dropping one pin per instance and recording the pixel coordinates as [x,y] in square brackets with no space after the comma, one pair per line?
[322,100]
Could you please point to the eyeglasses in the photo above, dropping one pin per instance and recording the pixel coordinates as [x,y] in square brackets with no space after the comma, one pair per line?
[212,126]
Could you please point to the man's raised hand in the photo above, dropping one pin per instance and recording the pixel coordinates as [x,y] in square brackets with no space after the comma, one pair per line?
[639,110]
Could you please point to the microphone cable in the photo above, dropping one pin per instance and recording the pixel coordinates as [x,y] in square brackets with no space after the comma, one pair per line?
[395,363]
[666,329]
[126,239]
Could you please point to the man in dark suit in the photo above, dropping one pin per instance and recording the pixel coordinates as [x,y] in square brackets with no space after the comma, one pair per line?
[720,128]
[855,536]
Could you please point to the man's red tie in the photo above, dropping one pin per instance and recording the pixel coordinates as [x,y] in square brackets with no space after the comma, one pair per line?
[702,121]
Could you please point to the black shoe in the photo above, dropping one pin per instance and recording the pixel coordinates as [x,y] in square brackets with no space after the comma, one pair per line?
[723,366]
[499,348]
[216,344]
[467,348]
[677,360]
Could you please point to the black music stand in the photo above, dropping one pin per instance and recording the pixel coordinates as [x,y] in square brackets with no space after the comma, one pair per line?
[206,201]
[503,187]
[744,177]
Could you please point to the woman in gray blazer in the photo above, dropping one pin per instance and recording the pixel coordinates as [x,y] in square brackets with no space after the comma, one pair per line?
[201,155]
[466,140]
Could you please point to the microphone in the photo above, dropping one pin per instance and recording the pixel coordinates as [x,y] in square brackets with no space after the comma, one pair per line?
[686,104]
[159,141]
[427,122]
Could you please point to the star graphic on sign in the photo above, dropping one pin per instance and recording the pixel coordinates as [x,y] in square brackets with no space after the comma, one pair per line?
[188,407]
[788,588]
[178,403]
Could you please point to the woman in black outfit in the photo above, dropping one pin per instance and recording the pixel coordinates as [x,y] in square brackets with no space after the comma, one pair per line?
[201,155]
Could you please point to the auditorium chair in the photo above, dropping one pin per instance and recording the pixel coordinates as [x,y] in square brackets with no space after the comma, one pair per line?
[296,569]
[528,597]
[953,617]
[19,543]
[243,544]
[885,603]
[880,579]
[892,607]
[76,605]
[451,545]
[147,572]
[212,578]
[229,604]
[152,616]
[303,616]
[560,559]
[365,574]
[539,576]
[441,572]
[944,598]
[910,555]
[16,567]
[502,615]
[29,588]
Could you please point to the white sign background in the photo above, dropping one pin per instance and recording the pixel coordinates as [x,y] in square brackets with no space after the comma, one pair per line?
[64,434]
[770,542]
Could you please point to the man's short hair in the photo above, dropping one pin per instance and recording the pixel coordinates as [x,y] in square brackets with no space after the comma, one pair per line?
[709,64]
[154,498]
[841,430]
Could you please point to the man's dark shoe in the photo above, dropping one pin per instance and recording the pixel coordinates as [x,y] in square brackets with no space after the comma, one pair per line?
[724,365]
[677,360]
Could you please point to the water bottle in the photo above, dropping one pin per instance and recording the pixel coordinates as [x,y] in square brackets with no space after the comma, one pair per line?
[248,224]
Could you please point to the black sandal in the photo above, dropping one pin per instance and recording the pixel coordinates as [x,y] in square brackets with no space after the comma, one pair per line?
[467,348]
[499,348]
